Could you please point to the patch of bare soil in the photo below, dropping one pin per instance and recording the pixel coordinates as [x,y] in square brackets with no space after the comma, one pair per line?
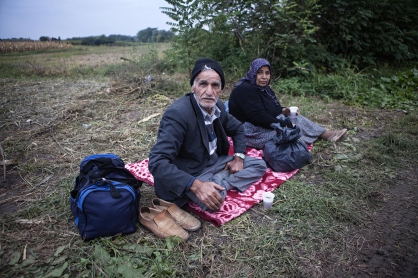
[386,244]
[9,190]
[389,246]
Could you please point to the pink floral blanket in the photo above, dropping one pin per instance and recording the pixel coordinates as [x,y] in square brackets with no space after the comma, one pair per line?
[236,203]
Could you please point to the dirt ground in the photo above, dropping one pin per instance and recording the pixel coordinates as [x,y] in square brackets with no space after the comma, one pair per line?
[386,245]
[388,240]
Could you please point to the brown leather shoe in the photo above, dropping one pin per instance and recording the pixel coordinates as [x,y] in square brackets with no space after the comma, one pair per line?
[184,219]
[160,223]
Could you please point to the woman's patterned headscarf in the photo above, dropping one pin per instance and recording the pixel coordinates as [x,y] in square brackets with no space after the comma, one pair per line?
[251,76]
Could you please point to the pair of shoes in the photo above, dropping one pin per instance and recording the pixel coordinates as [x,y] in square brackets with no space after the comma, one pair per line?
[160,223]
[339,135]
[166,219]
[184,219]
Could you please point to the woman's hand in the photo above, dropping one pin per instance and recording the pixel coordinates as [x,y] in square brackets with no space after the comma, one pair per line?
[286,111]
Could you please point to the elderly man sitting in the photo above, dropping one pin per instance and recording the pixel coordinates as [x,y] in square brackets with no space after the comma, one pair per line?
[190,158]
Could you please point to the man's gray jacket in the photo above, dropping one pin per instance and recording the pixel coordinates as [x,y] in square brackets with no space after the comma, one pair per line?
[181,151]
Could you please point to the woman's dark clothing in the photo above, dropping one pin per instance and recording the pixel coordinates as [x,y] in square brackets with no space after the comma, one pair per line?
[248,104]
[254,107]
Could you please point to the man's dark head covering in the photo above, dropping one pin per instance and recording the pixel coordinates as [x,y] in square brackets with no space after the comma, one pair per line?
[203,63]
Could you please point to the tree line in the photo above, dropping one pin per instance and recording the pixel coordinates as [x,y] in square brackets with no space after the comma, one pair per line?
[296,36]
[147,35]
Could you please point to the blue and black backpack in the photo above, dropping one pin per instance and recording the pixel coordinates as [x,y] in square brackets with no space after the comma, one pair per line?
[105,197]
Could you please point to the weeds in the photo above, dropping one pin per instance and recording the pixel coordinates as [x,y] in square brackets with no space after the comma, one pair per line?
[368,88]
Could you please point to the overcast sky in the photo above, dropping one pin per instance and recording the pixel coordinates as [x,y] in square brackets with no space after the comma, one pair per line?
[79,18]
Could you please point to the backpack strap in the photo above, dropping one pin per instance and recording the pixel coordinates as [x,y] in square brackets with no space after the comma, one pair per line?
[113,191]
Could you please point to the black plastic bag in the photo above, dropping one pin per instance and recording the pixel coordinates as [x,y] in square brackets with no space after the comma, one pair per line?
[284,152]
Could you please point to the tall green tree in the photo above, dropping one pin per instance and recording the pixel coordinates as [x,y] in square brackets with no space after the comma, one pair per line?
[237,31]
[191,28]
[280,30]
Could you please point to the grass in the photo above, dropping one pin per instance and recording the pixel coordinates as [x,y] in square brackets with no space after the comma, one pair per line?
[312,229]
[371,87]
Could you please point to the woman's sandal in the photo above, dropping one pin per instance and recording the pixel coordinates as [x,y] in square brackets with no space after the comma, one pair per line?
[339,135]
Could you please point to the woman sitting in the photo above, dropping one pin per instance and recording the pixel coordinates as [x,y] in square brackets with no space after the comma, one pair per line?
[254,103]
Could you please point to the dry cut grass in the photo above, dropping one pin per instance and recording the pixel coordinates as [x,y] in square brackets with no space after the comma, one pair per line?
[75,61]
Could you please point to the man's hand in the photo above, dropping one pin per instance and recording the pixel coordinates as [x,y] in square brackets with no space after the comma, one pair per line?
[207,193]
[235,165]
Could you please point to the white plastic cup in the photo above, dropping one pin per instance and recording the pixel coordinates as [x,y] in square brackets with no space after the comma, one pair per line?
[268,198]
[293,110]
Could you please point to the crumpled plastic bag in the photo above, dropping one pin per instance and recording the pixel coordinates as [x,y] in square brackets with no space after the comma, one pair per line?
[284,152]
